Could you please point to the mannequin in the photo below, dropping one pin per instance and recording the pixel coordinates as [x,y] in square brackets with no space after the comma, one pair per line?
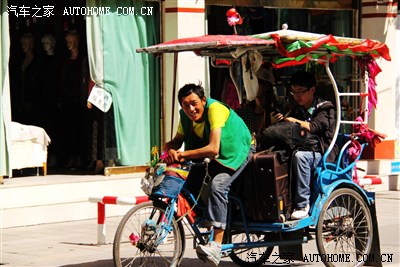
[72,39]
[29,80]
[48,42]
[27,44]
[48,108]
[71,102]
[49,69]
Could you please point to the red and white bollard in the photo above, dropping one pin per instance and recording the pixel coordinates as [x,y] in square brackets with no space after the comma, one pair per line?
[369,180]
[101,211]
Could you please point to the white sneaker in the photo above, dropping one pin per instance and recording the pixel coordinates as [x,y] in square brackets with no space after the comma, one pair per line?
[210,253]
[300,213]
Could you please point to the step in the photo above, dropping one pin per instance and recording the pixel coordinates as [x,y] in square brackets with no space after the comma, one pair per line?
[394,182]
[59,198]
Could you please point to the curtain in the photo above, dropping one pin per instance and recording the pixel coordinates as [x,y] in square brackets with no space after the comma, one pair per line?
[5,108]
[131,78]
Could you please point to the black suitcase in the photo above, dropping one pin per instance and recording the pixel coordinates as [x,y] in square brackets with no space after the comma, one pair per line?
[270,200]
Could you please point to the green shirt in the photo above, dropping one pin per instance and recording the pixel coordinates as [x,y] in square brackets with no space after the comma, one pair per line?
[235,137]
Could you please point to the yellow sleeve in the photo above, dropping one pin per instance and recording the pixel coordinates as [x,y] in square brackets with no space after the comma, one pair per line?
[217,114]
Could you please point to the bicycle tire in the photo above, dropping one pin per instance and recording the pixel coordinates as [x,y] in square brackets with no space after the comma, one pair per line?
[135,245]
[344,229]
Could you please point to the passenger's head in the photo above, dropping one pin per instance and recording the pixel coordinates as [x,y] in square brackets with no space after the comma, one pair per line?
[192,99]
[303,88]
[303,79]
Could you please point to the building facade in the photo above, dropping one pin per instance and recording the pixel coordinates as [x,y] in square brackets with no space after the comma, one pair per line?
[121,34]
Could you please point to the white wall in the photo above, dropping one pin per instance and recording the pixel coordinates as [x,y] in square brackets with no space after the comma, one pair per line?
[379,24]
[182,19]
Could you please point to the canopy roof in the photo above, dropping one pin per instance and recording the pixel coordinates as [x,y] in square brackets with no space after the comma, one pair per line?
[287,47]
[205,43]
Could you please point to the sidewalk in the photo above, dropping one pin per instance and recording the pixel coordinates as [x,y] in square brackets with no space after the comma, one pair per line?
[73,244]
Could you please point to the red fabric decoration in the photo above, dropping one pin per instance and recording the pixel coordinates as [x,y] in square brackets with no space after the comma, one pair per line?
[222,62]
[354,150]
[367,135]
[364,135]
[375,49]
[233,17]
[369,64]
[369,45]
[184,207]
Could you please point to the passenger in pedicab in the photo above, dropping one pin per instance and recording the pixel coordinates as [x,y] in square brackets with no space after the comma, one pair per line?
[317,116]
[256,113]
[209,128]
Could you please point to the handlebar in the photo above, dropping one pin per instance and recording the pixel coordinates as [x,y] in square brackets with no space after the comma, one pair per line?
[203,163]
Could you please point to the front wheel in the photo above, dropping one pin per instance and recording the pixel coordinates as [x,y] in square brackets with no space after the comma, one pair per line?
[344,229]
[145,238]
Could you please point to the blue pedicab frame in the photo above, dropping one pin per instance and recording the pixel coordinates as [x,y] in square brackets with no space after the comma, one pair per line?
[333,186]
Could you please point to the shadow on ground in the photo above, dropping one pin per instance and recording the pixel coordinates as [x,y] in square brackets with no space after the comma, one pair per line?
[185,262]
[102,263]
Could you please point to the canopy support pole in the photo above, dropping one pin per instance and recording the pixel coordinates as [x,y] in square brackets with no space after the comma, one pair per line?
[174,93]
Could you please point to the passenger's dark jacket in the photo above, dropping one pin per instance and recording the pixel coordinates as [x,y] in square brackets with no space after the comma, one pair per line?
[321,117]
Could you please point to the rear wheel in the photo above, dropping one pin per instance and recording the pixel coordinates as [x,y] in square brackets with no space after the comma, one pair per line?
[249,256]
[344,229]
[142,239]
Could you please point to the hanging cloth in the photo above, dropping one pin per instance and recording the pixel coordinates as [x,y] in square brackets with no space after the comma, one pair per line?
[251,63]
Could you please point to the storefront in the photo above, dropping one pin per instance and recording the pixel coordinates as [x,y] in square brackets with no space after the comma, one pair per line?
[127,76]
[92,42]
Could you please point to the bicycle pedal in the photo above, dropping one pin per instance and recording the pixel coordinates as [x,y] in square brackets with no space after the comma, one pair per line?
[225,254]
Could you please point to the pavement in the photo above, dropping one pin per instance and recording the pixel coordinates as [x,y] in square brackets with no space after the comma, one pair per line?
[74,243]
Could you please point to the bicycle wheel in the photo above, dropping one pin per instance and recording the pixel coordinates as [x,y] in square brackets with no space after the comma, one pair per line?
[143,238]
[344,229]
[249,256]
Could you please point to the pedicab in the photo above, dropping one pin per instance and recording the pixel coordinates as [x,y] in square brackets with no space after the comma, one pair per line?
[342,216]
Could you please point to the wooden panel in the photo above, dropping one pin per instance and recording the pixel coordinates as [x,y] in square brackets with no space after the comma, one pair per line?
[108,171]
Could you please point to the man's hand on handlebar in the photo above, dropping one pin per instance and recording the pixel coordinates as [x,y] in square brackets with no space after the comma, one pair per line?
[174,156]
